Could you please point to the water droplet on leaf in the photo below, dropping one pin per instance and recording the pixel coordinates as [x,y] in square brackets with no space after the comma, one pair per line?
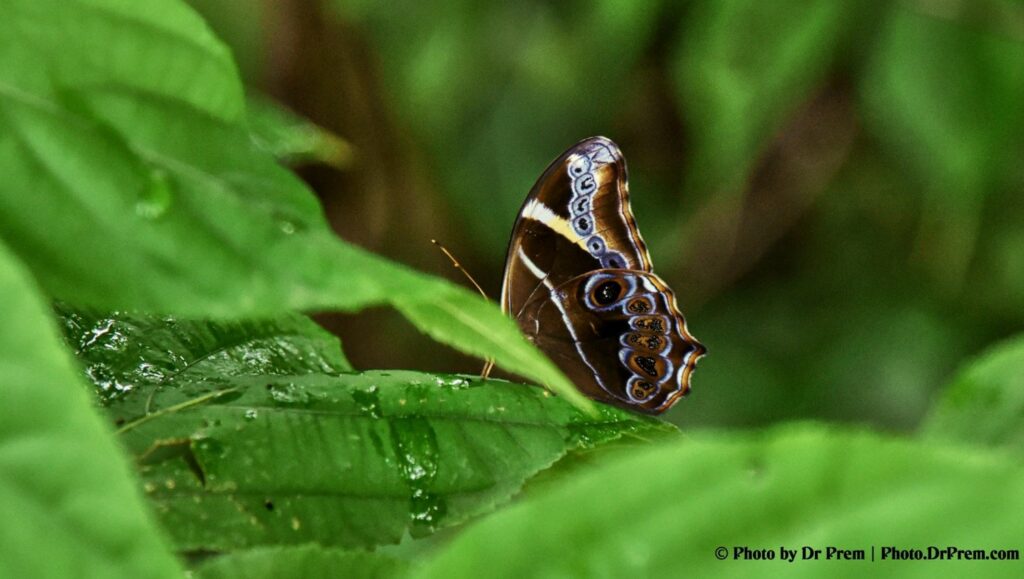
[156,198]
[415,447]
[290,394]
[368,401]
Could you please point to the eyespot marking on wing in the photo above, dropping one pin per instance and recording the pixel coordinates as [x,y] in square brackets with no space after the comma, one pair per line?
[653,368]
[580,206]
[585,185]
[613,260]
[583,225]
[581,167]
[646,342]
[604,291]
[639,305]
[640,390]
[655,323]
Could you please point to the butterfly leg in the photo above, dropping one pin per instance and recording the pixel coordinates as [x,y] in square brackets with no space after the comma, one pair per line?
[488,366]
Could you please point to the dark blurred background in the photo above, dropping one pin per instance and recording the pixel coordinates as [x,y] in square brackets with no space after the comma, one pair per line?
[833,188]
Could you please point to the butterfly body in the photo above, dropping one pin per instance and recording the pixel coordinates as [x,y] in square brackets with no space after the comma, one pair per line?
[579,282]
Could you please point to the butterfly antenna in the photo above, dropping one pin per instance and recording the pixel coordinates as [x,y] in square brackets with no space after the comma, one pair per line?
[489,364]
[458,266]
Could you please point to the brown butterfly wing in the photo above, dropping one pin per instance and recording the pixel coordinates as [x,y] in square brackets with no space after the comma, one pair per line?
[578,281]
[618,335]
[576,219]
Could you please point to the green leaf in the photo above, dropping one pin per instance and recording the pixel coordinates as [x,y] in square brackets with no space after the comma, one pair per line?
[162,48]
[664,512]
[352,460]
[69,506]
[985,403]
[124,353]
[292,139]
[138,194]
[303,562]
[741,68]
[252,435]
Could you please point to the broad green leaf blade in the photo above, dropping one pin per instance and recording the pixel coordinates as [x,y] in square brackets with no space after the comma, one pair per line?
[664,512]
[741,68]
[126,195]
[69,506]
[353,460]
[292,139]
[303,562]
[161,48]
[123,353]
[247,434]
[985,402]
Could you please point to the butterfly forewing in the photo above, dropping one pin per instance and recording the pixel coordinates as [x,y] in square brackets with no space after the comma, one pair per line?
[578,281]
[576,219]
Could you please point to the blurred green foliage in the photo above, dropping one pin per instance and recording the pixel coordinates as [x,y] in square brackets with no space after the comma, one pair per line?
[832,188]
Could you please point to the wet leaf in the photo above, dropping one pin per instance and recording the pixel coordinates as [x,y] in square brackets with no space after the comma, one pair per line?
[69,503]
[348,460]
[252,435]
[122,353]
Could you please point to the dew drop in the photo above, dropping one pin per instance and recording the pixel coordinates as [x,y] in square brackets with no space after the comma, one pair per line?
[156,198]
[453,382]
[368,401]
[290,394]
[415,447]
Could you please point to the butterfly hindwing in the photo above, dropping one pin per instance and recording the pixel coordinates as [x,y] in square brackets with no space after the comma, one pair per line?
[618,335]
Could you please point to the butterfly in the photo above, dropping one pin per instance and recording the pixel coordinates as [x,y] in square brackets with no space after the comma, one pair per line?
[579,283]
